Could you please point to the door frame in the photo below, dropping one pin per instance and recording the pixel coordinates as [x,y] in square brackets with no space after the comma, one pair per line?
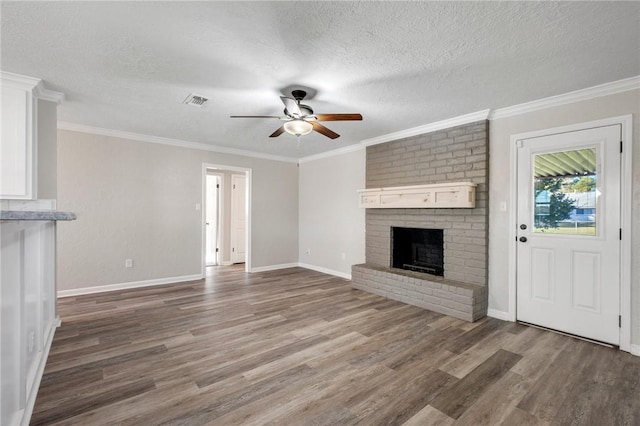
[233,229]
[222,168]
[625,209]
[219,215]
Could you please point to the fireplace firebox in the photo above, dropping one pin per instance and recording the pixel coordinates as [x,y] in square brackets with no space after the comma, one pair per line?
[420,250]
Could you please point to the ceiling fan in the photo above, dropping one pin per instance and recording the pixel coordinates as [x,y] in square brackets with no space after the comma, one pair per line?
[300,120]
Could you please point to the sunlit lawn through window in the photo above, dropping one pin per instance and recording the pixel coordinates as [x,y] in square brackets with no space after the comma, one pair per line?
[580,230]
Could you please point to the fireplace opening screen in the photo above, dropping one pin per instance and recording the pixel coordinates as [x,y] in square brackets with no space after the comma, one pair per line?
[416,249]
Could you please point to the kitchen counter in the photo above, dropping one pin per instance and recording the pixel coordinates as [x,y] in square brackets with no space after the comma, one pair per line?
[36,215]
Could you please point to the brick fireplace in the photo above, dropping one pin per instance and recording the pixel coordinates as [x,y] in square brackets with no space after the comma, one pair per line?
[445,156]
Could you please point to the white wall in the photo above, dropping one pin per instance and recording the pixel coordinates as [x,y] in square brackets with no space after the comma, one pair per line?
[138,200]
[499,184]
[331,223]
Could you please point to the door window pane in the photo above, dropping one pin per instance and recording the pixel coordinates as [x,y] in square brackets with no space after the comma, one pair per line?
[565,192]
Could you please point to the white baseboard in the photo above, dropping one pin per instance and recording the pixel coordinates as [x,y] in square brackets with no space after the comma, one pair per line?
[31,398]
[325,270]
[125,286]
[635,350]
[501,315]
[274,267]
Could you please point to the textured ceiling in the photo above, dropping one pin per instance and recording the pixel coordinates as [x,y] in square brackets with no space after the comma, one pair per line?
[128,65]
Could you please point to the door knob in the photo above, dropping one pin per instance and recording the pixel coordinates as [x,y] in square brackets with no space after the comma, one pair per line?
[523,239]
[523,226]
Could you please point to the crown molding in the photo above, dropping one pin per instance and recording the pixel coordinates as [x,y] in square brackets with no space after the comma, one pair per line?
[567,98]
[19,81]
[332,153]
[32,84]
[414,131]
[45,94]
[605,89]
[62,125]
[427,128]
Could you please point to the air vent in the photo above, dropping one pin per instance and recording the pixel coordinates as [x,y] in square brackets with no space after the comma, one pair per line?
[195,100]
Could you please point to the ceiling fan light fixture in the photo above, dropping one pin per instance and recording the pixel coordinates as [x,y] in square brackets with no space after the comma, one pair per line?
[298,127]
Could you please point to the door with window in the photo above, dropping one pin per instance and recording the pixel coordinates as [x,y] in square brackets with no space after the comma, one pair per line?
[568,236]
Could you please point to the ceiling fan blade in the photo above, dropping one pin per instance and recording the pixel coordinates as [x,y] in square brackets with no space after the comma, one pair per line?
[291,106]
[277,132]
[323,130]
[338,117]
[254,116]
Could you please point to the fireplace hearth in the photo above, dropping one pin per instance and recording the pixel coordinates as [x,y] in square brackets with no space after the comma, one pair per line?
[419,250]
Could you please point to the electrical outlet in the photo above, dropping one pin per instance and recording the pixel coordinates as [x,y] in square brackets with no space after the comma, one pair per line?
[128,263]
[308,251]
[344,256]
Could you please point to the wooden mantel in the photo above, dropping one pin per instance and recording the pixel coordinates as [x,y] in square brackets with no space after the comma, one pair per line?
[433,196]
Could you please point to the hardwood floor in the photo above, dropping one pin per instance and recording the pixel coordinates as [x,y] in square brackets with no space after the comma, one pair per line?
[297,347]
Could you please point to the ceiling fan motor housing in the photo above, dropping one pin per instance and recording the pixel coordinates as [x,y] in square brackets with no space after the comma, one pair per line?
[298,95]
[302,120]
[304,109]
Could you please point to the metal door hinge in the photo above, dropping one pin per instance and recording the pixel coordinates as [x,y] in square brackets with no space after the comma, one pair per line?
[217,249]
[234,187]
[619,321]
[620,234]
[620,147]
[217,185]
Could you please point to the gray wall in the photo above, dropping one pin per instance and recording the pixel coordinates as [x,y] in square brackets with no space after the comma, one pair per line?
[138,200]
[331,223]
[47,149]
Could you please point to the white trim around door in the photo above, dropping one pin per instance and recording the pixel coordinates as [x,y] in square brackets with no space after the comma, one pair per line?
[248,174]
[220,217]
[626,212]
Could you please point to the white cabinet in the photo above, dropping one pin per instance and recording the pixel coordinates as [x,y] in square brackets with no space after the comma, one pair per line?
[16,147]
[19,135]
[28,317]
[28,313]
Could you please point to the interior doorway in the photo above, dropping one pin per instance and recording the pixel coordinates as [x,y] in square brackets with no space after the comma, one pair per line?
[226,217]
[214,184]
[238,217]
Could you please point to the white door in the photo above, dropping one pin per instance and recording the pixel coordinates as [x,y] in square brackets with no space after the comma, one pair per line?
[568,248]
[238,218]
[211,219]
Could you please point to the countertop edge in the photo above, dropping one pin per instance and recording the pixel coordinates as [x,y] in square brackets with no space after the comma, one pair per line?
[36,215]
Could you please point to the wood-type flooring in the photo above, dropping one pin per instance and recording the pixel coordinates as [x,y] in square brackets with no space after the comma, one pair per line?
[298,347]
